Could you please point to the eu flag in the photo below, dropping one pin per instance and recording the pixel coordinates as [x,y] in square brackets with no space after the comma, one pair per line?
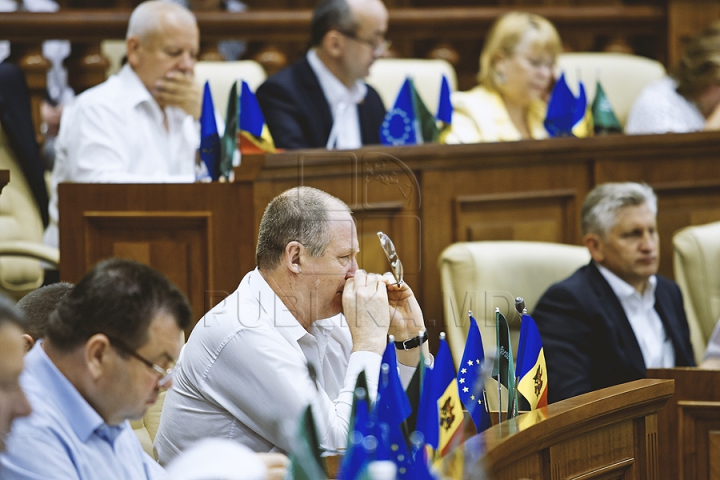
[400,126]
[209,138]
[392,405]
[470,381]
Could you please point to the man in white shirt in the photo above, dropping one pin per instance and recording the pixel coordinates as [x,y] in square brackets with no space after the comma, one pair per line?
[321,101]
[255,361]
[614,318]
[140,126]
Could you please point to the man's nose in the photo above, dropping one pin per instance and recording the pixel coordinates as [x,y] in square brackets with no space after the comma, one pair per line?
[353,268]
[187,63]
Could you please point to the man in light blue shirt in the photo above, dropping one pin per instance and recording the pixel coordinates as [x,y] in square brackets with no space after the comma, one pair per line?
[109,348]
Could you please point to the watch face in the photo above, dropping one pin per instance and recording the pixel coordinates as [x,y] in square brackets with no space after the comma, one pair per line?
[395,263]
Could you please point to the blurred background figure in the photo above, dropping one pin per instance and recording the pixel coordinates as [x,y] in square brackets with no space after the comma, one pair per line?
[516,75]
[58,92]
[37,306]
[687,101]
[229,49]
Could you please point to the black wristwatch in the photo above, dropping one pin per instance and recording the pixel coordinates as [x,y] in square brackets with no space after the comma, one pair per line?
[414,342]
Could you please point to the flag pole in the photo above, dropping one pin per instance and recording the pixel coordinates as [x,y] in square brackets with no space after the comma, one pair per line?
[499,384]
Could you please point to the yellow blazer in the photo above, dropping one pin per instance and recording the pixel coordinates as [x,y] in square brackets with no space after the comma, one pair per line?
[480,115]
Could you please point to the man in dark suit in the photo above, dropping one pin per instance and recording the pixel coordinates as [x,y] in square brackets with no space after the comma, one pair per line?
[614,318]
[321,101]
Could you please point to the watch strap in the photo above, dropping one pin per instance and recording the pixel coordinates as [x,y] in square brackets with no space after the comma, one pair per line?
[414,342]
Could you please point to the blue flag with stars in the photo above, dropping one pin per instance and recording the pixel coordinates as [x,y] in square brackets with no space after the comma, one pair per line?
[470,382]
[356,456]
[209,138]
[400,126]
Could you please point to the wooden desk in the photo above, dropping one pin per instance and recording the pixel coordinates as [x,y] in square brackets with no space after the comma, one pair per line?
[609,433]
[424,197]
[689,424]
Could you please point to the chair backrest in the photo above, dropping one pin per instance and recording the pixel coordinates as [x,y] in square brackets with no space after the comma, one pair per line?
[19,221]
[146,428]
[480,276]
[622,76]
[697,271]
[221,76]
[388,74]
[114,51]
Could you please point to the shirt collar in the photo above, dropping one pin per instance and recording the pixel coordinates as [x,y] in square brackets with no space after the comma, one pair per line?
[624,290]
[82,417]
[335,91]
[134,90]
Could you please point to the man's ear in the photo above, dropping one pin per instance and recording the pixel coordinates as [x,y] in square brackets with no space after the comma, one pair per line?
[97,354]
[334,43]
[29,341]
[293,256]
[132,45]
[595,245]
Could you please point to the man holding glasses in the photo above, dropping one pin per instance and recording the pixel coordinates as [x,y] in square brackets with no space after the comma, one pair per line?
[109,348]
[321,101]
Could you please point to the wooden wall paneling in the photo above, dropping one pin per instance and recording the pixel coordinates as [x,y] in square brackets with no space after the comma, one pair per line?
[699,424]
[687,18]
[197,234]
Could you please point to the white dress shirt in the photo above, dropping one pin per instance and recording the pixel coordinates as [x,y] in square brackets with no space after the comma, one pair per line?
[243,375]
[660,109]
[115,133]
[343,103]
[657,348]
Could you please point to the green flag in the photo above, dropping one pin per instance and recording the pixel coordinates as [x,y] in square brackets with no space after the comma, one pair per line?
[603,115]
[504,368]
[228,144]
[413,391]
[425,119]
[305,460]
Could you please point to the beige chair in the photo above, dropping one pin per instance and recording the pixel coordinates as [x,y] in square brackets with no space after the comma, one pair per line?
[21,231]
[146,428]
[480,276]
[221,76]
[697,271]
[622,76]
[114,51]
[388,74]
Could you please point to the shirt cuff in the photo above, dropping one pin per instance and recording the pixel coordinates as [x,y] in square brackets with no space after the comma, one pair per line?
[368,361]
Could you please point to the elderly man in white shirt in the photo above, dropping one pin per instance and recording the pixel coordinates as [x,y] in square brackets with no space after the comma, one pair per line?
[278,343]
[140,126]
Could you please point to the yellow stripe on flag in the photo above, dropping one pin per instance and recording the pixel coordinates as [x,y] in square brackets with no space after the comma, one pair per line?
[533,385]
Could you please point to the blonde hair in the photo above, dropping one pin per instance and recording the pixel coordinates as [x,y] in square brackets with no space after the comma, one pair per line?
[504,36]
[699,66]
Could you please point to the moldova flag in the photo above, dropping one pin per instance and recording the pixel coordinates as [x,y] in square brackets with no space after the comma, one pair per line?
[531,369]
[254,133]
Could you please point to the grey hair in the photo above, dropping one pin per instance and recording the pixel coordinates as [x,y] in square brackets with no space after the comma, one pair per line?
[145,19]
[301,215]
[600,208]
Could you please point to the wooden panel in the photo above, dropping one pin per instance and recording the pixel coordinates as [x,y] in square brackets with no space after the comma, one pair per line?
[544,216]
[697,421]
[175,243]
[199,235]
[686,425]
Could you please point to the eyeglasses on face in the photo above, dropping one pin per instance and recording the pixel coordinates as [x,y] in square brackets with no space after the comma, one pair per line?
[378,47]
[165,373]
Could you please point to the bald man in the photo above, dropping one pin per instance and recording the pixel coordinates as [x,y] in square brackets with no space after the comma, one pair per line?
[139,126]
[321,101]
